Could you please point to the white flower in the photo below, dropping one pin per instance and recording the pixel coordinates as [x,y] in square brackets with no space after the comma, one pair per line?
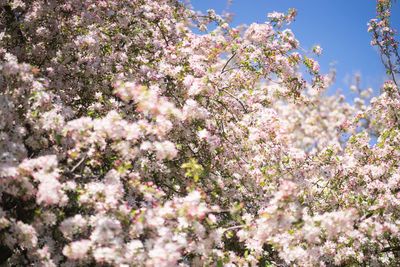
[165,150]
[77,250]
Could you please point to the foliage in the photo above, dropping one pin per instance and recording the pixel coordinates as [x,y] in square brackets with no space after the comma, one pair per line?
[129,139]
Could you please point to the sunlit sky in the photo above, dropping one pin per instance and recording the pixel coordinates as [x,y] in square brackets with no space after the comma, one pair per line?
[338,26]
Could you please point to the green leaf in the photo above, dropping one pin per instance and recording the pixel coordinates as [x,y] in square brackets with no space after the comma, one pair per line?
[58,139]
[193,169]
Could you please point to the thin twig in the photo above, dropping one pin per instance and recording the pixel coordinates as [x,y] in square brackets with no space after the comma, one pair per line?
[79,163]
[237,99]
[227,62]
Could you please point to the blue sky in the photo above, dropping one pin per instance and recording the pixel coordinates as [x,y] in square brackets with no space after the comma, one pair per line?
[338,26]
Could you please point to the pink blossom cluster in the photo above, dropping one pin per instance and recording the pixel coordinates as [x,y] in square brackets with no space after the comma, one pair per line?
[129,139]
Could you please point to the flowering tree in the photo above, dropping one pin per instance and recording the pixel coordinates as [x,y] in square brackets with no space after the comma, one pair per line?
[127,139]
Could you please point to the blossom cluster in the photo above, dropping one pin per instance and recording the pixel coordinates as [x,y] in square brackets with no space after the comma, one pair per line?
[384,37]
[128,138]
